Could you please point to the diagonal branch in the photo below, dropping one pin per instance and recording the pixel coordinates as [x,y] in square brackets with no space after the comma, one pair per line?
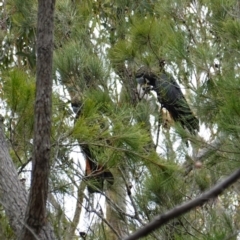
[162,219]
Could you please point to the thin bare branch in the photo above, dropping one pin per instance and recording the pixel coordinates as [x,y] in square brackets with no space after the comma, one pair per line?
[162,219]
[105,221]
[78,209]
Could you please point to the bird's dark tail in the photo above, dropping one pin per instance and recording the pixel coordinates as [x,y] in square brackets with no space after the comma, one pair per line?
[178,105]
[192,124]
[95,173]
[185,116]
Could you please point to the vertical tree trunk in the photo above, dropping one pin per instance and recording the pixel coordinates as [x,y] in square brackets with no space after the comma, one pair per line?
[117,194]
[35,218]
[13,196]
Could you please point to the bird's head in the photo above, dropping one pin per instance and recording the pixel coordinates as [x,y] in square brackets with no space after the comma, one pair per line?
[145,78]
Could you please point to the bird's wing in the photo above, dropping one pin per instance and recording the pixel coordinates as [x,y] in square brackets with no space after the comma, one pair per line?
[171,97]
[168,90]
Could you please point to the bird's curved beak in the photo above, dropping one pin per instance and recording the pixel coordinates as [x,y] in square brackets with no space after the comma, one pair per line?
[144,83]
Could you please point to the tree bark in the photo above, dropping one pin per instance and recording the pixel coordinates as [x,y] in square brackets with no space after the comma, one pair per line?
[13,196]
[117,194]
[36,218]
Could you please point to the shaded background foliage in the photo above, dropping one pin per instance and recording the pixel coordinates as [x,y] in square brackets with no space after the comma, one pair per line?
[99,45]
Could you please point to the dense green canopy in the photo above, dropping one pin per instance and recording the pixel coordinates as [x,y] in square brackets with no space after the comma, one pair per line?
[98,48]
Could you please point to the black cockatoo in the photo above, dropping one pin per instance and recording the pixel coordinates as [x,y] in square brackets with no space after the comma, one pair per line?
[170,96]
[95,173]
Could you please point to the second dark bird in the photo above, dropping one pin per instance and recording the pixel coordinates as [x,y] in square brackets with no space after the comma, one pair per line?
[170,96]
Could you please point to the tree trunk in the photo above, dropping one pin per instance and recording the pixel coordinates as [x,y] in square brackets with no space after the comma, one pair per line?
[13,196]
[117,194]
[36,218]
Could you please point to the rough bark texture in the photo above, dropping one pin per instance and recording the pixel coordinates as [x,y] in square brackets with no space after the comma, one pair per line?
[13,196]
[35,218]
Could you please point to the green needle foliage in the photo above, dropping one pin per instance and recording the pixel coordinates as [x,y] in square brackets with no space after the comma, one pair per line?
[98,48]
